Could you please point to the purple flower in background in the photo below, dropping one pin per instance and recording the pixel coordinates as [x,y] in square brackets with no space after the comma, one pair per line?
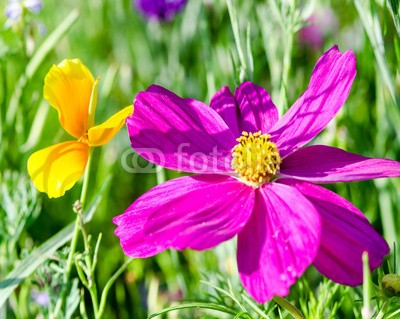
[14,9]
[322,23]
[161,10]
[41,298]
[258,182]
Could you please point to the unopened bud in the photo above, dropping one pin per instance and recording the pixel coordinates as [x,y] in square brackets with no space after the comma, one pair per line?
[391,285]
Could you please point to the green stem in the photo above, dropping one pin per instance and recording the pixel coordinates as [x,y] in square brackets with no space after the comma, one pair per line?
[61,301]
[161,178]
[96,250]
[71,254]
[91,283]
[93,295]
[160,175]
[384,309]
[289,307]
[177,265]
[80,271]
[86,277]
[107,287]
[86,182]
[82,307]
[68,267]
[255,308]
[366,310]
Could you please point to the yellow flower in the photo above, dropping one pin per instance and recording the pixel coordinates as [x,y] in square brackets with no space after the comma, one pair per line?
[71,89]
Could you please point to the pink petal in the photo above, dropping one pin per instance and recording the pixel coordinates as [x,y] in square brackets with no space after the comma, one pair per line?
[346,234]
[328,89]
[250,110]
[325,164]
[223,102]
[181,135]
[258,112]
[197,212]
[278,243]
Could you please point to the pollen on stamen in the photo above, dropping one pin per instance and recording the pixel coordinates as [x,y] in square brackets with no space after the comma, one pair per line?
[255,158]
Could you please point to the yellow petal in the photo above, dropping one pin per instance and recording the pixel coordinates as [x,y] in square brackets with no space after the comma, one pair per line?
[101,134]
[68,88]
[57,168]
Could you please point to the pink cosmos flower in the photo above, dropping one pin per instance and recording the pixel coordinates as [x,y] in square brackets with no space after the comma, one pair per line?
[322,23]
[257,182]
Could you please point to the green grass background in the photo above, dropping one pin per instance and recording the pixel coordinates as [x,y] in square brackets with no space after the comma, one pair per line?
[193,55]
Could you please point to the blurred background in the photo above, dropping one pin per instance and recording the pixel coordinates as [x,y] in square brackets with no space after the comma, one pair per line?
[193,54]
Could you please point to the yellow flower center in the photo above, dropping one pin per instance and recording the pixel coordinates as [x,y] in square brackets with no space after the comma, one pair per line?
[255,158]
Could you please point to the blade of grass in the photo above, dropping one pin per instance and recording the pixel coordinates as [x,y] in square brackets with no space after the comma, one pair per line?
[40,55]
[108,285]
[369,18]
[196,305]
[255,308]
[394,8]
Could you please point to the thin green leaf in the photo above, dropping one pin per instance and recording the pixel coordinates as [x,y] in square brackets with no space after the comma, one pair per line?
[194,305]
[243,315]
[255,308]
[370,20]
[394,314]
[51,42]
[289,307]
[394,7]
[108,285]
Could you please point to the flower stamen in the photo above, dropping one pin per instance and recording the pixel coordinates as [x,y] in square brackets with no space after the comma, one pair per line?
[84,139]
[255,158]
